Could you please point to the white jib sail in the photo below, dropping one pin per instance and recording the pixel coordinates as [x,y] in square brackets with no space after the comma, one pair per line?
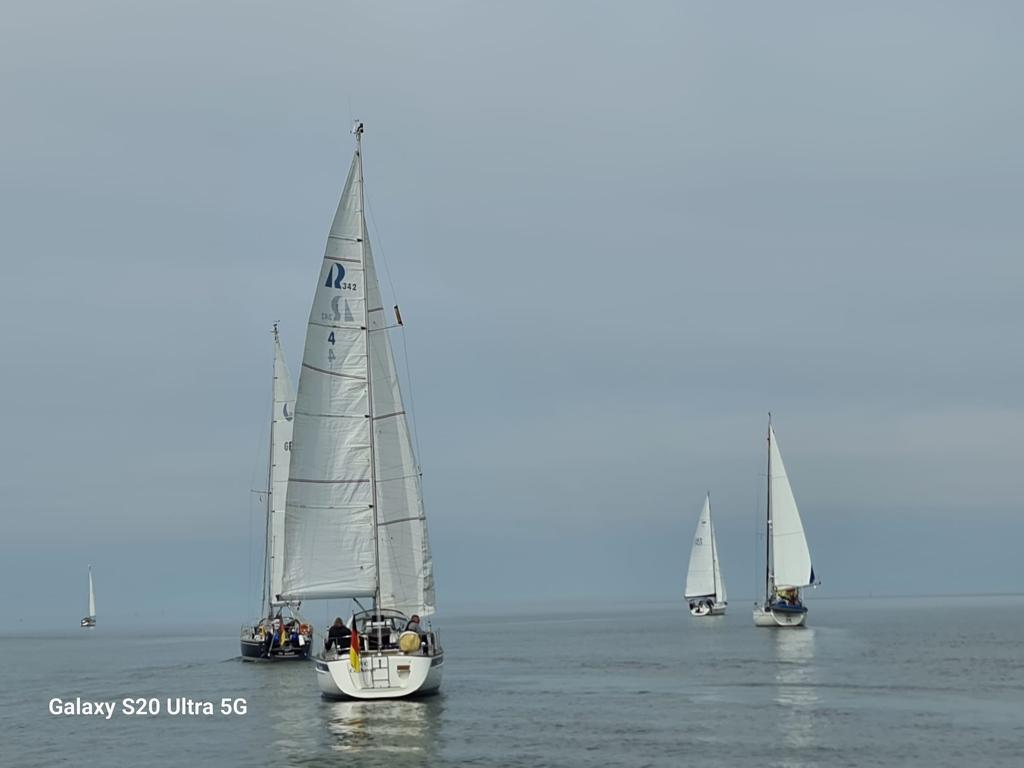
[720,594]
[92,596]
[406,570]
[700,578]
[791,560]
[280,447]
[330,549]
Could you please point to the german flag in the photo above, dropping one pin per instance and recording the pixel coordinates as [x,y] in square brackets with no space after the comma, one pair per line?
[353,651]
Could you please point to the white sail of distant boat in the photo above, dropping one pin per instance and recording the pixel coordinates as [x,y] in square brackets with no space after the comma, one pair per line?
[788,559]
[355,525]
[280,634]
[90,620]
[721,595]
[280,458]
[705,589]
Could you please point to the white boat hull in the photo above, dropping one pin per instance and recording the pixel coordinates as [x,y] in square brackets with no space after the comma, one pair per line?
[702,609]
[380,676]
[769,618]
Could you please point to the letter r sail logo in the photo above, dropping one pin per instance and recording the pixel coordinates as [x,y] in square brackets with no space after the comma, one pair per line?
[335,275]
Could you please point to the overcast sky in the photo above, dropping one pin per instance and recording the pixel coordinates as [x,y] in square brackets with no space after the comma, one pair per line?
[620,234]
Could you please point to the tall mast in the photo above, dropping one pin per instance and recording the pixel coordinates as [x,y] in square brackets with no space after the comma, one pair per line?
[768,515]
[357,129]
[268,558]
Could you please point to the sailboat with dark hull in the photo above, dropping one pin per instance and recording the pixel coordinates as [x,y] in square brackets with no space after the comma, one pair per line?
[280,634]
[355,527]
[788,566]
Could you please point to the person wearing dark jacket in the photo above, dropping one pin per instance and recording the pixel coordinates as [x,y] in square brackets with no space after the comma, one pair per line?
[338,636]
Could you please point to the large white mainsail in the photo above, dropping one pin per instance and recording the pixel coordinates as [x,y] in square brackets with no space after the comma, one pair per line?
[355,525]
[791,559]
[280,447]
[700,577]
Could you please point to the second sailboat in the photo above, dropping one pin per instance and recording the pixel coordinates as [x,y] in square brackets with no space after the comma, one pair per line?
[788,566]
[705,589]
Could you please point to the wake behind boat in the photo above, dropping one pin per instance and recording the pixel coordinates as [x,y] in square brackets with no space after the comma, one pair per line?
[280,634]
[705,590]
[355,525]
[788,560]
[89,622]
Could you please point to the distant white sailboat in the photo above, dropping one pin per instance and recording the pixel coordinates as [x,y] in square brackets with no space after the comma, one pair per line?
[788,560]
[280,634]
[355,525]
[90,621]
[705,589]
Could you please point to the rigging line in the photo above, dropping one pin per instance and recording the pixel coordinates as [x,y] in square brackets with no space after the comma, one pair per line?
[405,347]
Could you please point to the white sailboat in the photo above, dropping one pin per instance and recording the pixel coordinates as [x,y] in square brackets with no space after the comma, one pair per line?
[705,589]
[788,560]
[90,621]
[355,525]
[280,634]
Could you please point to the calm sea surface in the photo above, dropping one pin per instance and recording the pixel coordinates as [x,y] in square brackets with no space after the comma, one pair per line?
[923,682]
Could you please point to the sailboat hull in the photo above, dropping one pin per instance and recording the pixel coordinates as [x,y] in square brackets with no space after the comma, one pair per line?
[257,642]
[703,609]
[779,619]
[380,676]
[256,650]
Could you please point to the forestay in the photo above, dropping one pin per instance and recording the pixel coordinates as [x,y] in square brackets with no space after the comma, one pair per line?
[791,560]
[330,524]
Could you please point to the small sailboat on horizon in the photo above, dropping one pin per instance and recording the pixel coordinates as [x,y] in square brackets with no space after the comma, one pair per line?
[705,589]
[89,622]
[280,634]
[788,566]
[355,526]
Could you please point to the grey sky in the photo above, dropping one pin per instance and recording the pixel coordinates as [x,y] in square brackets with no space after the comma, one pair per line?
[619,236]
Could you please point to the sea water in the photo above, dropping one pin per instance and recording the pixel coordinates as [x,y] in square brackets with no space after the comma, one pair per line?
[886,682]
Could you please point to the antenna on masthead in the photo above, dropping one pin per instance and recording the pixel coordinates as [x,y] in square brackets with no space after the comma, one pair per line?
[357,127]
